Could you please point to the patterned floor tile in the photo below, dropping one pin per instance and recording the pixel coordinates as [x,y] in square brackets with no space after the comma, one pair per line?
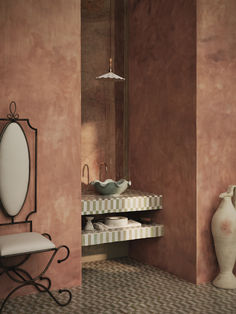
[126,286]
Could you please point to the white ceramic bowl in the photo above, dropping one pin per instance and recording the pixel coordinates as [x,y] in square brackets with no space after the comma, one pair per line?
[116,221]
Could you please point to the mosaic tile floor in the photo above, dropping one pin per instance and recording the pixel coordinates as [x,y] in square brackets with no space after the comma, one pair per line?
[126,286]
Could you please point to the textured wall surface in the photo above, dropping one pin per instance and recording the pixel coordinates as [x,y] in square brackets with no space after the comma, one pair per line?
[102,101]
[98,107]
[40,70]
[216,116]
[98,112]
[162,128]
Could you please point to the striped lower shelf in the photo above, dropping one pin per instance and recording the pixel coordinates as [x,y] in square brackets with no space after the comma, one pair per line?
[122,234]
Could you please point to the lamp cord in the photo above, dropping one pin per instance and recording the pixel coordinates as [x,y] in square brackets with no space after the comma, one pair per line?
[110,64]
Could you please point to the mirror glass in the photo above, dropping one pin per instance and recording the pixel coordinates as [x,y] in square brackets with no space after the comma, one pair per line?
[14,168]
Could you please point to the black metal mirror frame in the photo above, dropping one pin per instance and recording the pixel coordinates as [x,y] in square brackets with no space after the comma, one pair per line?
[14,117]
[15,272]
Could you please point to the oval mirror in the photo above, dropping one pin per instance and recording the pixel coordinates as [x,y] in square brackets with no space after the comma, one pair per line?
[14,168]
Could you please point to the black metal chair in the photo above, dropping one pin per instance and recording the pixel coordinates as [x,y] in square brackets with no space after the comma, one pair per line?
[15,172]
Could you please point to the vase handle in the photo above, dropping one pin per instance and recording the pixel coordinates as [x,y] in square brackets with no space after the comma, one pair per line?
[232,191]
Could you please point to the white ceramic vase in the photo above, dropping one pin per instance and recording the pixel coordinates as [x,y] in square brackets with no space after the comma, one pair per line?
[89,224]
[223,228]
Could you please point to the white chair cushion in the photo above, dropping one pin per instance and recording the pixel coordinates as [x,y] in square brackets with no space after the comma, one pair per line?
[22,243]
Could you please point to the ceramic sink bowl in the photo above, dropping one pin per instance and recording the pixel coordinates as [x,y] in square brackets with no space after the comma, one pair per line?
[111,187]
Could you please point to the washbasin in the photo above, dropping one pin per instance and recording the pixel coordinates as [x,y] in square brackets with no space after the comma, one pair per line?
[111,187]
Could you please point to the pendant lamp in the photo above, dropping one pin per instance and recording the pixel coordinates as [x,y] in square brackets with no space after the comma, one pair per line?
[110,75]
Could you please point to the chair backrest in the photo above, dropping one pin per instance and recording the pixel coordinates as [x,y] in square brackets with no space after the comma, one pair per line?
[15,167]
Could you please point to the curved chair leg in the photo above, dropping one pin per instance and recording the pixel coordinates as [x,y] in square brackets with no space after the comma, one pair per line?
[25,279]
[67,253]
[8,296]
[52,296]
[17,271]
[7,270]
[41,288]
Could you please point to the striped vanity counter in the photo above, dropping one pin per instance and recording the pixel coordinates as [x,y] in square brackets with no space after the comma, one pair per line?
[122,234]
[128,201]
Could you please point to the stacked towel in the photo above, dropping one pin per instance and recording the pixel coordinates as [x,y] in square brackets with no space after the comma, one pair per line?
[102,227]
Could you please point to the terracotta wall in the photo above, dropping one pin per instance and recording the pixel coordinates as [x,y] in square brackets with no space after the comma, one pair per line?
[162,126]
[165,122]
[216,116]
[121,99]
[102,101]
[98,97]
[40,70]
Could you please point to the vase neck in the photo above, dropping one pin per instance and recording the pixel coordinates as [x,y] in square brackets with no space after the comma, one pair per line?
[228,200]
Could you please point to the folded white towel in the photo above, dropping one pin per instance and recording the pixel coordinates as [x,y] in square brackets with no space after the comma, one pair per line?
[102,227]
[133,223]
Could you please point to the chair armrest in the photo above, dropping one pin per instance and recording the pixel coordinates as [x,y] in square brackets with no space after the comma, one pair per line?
[47,235]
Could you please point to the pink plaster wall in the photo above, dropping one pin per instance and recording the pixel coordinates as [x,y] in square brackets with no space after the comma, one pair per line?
[162,126]
[216,116]
[40,70]
[98,102]
[102,101]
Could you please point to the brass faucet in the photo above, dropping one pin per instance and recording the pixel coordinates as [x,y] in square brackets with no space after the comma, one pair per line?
[100,169]
[86,167]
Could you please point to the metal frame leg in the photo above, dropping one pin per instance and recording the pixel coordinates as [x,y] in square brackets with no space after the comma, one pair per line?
[21,276]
